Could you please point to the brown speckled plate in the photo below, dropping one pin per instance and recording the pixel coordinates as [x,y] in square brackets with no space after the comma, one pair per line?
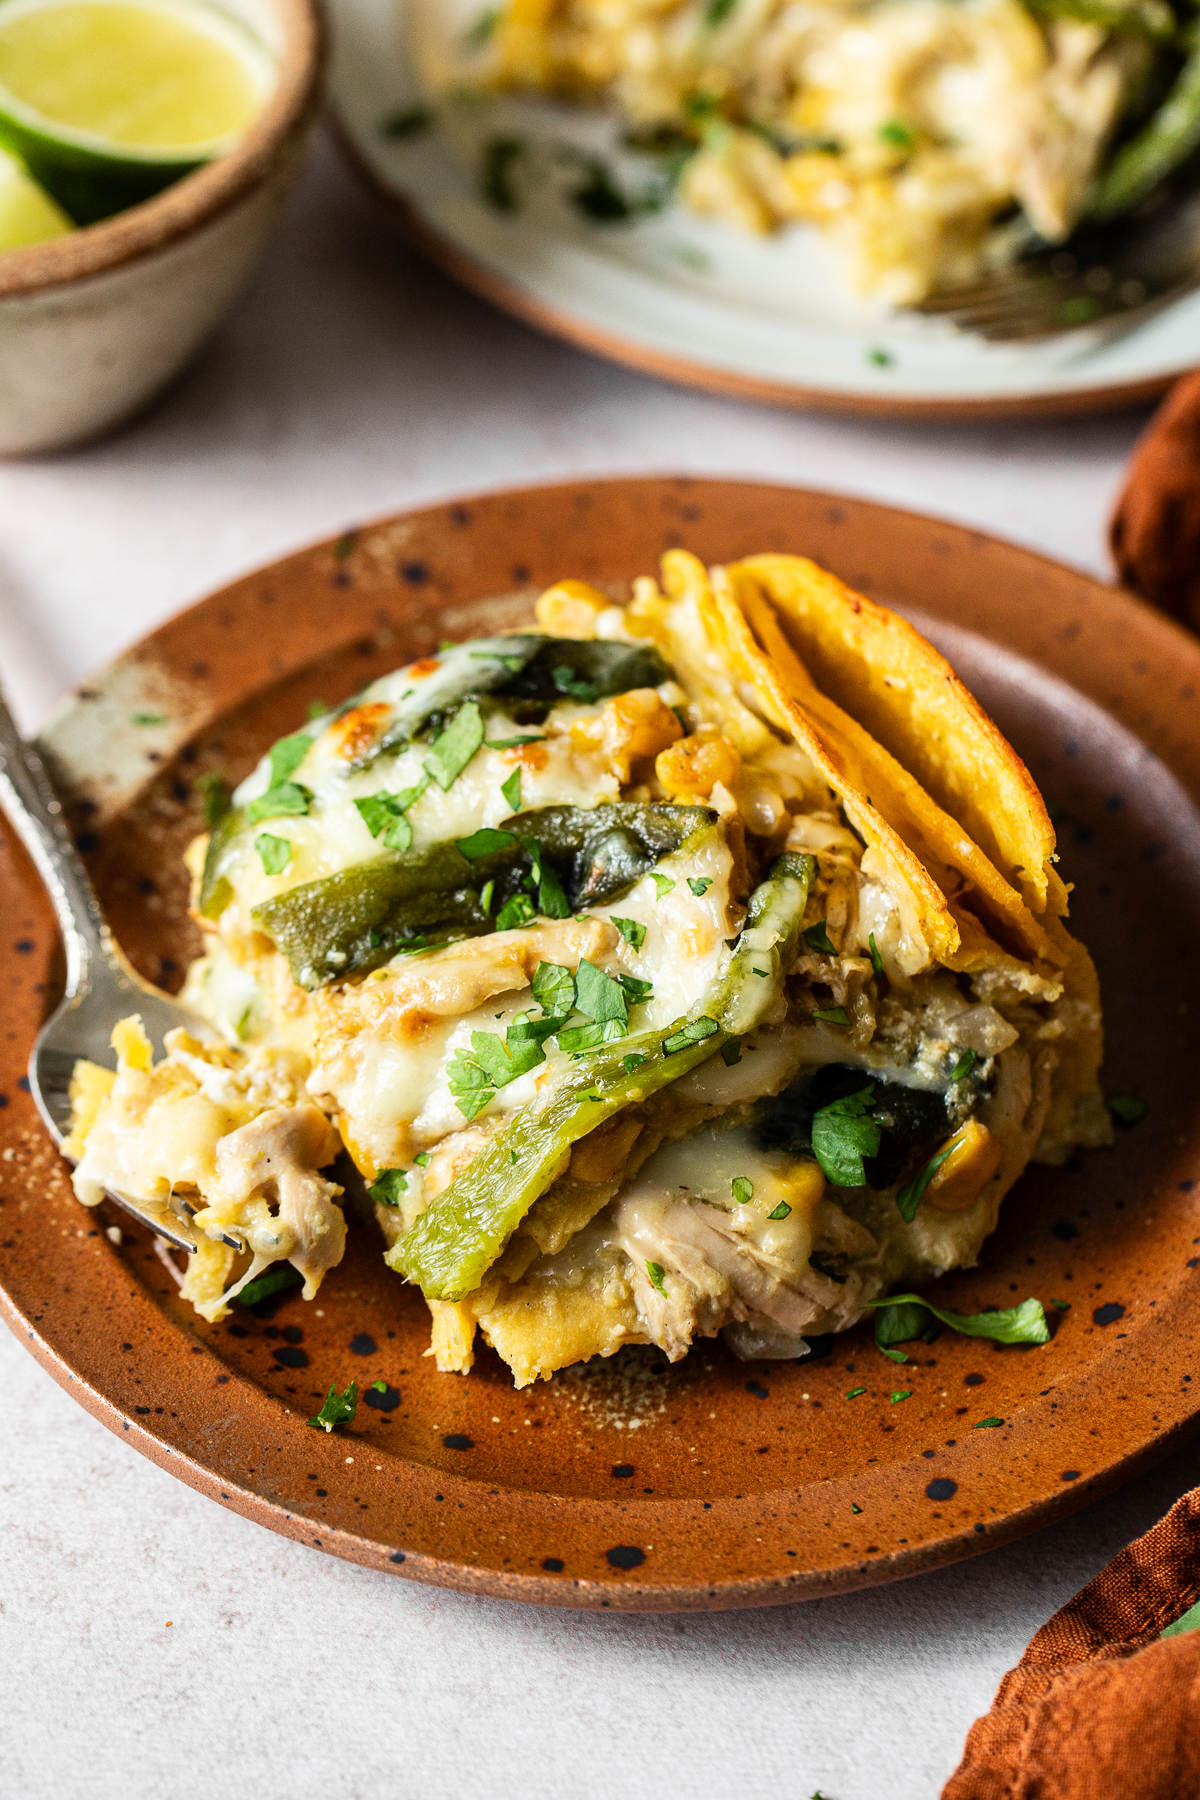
[714,1483]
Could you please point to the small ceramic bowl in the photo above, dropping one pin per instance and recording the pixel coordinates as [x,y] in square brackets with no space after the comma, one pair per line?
[93,324]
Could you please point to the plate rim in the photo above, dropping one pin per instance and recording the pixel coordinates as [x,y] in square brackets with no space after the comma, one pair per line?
[555,321]
[259,1411]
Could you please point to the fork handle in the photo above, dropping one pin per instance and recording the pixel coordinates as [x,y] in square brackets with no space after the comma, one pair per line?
[33,807]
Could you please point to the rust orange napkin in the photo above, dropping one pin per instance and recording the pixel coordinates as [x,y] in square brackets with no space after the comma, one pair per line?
[1102,1706]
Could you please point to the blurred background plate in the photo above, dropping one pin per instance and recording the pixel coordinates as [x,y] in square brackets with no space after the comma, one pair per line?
[684,297]
[629,1484]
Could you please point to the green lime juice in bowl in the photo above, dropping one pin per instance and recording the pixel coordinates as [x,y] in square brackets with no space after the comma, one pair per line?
[107,102]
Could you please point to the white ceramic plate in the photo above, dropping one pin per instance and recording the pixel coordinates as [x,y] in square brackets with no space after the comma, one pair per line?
[675,294]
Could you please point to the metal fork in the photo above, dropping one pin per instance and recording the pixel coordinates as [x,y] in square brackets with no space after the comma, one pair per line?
[1104,277]
[101,986]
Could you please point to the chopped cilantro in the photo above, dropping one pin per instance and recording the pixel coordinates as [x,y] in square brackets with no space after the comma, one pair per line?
[600,997]
[493,1061]
[274,852]
[986,1424]
[482,843]
[510,743]
[450,753]
[422,1159]
[842,1135]
[281,798]
[511,789]
[486,895]
[384,817]
[637,991]
[876,959]
[500,158]
[275,1280]
[901,1317]
[1127,1108]
[898,135]
[854,1393]
[910,1195]
[899,1394]
[554,990]
[388,1186]
[854,1506]
[288,754]
[406,122]
[694,1032]
[743,1190]
[883,359]
[633,1061]
[663,884]
[568,683]
[337,1409]
[964,1065]
[817,938]
[656,1273]
[148,718]
[1062,1305]
[731,1053]
[632,931]
[515,912]
[832,1015]
[214,792]
[699,885]
[782,1211]
[378,1387]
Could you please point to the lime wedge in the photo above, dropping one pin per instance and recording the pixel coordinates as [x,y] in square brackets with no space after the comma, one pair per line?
[27,215]
[109,101]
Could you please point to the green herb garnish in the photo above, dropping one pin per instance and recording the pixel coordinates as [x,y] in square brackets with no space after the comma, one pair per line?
[782,1211]
[842,1135]
[632,931]
[422,1159]
[388,1186]
[275,853]
[275,1280]
[663,884]
[897,134]
[450,753]
[337,1409]
[554,990]
[149,718]
[986,1424]
[572,686]
[383,815]
[899,1394]
[964,1065]
[656,1272]
[876,959]
[731,1053]
[511,789]
[514,913]
[902,1317]
[909,1197]
[743,1190]
[817,939]
[853,1393]
[832,1015]
[700,885]
[281,798]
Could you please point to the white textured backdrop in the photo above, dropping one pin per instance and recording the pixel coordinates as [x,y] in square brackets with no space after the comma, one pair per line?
[353,380]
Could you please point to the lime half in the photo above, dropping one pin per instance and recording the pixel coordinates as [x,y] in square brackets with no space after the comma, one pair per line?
[109,101]
[27,215]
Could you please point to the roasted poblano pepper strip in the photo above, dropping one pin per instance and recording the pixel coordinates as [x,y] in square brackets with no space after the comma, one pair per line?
[530,671]
[454,1243]
[357,919]
[1167,139]
[598,852]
